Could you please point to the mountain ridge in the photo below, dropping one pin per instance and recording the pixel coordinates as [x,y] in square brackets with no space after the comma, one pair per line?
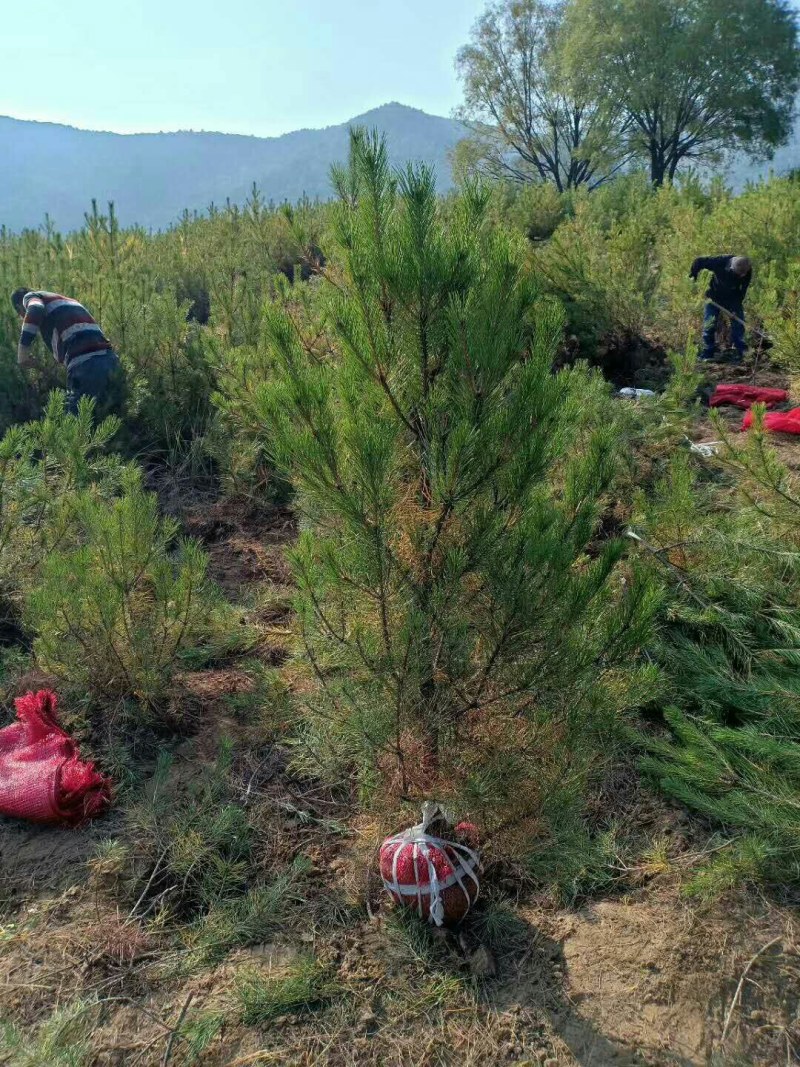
[390,105]
[153,177]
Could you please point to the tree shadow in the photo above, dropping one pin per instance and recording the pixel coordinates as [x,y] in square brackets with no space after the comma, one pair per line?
[533,978]
[523,972]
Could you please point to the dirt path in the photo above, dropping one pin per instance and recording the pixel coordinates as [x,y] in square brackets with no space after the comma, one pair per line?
[656,980]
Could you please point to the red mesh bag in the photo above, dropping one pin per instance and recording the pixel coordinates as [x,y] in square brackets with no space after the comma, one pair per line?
[42,777]
[436,877]
[777,421]
[744,396]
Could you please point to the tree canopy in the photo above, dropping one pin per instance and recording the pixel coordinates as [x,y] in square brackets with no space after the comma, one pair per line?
[569,91]
[697,78]
[526,120]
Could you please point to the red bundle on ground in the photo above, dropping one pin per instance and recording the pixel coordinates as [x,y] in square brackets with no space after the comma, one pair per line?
[777,421]
[744,396]
[42,777]
[436,877]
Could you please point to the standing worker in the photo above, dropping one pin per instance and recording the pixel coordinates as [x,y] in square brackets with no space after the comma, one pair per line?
[76,341]
[730,278]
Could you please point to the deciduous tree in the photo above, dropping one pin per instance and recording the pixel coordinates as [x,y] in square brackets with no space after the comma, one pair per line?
[527,120]
[697,78]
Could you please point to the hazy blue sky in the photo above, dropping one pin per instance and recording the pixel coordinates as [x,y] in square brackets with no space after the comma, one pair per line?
[247,66]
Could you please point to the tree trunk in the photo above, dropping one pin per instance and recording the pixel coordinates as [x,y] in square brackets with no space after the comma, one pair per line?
[658,165]
[673,165]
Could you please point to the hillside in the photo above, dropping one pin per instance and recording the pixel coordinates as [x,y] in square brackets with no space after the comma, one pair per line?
[153,177]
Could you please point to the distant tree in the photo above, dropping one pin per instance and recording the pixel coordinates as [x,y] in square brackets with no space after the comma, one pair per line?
[526,121]
[697,78]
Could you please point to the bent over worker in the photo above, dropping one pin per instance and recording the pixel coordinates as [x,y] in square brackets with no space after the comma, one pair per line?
[74,338]
[730,278]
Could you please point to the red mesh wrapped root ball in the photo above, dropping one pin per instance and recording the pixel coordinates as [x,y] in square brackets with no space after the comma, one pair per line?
[435,877]
[42,777]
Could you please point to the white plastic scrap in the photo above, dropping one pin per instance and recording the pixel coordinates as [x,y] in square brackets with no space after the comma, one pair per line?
[706,449]
[635,394]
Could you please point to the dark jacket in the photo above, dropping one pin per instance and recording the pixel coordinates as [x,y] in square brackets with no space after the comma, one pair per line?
[727,288]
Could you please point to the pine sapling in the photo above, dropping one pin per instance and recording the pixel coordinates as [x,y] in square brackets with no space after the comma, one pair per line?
[457,609]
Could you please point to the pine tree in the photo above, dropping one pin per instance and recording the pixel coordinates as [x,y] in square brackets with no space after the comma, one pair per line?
[113,614]
[730,646]
[43,466]
[459,612]
[743,778]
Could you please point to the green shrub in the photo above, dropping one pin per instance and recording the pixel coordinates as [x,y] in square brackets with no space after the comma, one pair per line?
[620,259]
[241,438]
[195,858]
[536,208]
[44,466]
[61,1040]
[113,614]
[246,920]
[743,778]
[164,300]
[780,310]
[203,844]
[571,862]
[729,645]
[196,1035]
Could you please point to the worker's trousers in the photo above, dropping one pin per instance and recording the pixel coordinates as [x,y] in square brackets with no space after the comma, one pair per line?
[711,322]
[97,377]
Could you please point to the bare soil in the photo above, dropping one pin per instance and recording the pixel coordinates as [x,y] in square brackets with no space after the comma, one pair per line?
[640,979]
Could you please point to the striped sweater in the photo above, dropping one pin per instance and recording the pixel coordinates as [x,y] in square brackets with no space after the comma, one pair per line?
[66,327]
